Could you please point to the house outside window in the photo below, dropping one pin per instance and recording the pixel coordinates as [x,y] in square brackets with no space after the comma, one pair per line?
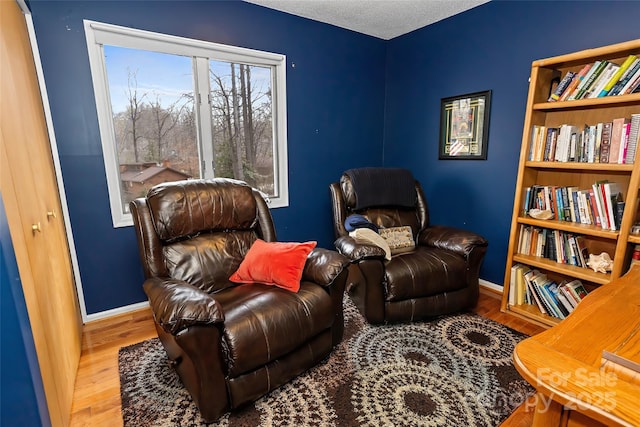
[171,108]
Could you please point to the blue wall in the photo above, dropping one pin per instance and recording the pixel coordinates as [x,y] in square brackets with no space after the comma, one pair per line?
[335,99]
[353,100]
[22,399]
[489,47]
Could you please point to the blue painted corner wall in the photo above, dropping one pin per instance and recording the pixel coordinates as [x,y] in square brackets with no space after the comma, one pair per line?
[353,100]
[490,47]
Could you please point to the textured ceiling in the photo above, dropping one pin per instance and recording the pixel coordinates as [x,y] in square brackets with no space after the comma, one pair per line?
[384,19]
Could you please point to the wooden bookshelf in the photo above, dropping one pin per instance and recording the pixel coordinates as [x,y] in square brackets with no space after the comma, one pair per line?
[539,112]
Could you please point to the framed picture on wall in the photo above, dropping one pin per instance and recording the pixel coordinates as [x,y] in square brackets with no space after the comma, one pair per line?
[464,126]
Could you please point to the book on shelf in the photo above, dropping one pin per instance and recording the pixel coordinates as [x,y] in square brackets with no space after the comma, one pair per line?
[611,194]
[564,301]
[635,86]
[634,137]
[583,251]
[617,75]
[576,289]
[589,137]
[563,143]
[588,206]
[532,291]
[594,207]
[595,72]
[558,203]
[573,250]
[607,73]
[624,79]
[582,208]
[599,79]
[575,82]
[583,82]
[537,282]
[618,210]
[550,145]
[598,193]
[533,244]
[534,146]
[631,82]
[573,201]
[517,288]
[613,142]
[559,246]
[512,284]
[551,289]
[598,143]
[605,142]
[570,298]
[624,143]
[562,86]
[616,137]
[545,287]
[527,201]
[564,194]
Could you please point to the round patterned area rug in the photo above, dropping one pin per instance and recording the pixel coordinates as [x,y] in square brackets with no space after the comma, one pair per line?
[452,371]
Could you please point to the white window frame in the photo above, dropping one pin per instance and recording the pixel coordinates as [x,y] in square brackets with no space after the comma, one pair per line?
[99,34]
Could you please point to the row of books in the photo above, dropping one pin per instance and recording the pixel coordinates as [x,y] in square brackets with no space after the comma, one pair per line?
[530,286]
[599,79]
[607,142]
[559,246]
[602,205]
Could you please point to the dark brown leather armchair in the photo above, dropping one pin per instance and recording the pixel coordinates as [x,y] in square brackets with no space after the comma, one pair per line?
[230,343]
[440,276]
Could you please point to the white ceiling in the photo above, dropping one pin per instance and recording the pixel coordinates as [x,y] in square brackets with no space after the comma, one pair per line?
[384,19]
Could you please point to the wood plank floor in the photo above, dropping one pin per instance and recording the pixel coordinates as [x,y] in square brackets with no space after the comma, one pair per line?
[96,399]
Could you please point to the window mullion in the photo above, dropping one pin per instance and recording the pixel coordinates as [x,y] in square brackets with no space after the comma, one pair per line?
[207,166]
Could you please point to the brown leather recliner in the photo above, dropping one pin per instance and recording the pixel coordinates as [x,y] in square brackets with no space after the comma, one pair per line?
[230,343]
[439,277]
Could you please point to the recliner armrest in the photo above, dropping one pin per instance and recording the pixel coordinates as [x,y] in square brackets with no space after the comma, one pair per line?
[176,305]
[323,266]
[348,246]
[453,239]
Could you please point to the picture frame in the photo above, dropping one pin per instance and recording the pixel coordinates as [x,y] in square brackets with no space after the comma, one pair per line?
[464,126]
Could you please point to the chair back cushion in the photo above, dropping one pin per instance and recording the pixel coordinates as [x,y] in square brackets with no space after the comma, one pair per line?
[382,187]
[185,208]
[205,228]
[345,202]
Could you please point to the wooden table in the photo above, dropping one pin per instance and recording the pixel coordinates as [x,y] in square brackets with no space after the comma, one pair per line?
[575,385]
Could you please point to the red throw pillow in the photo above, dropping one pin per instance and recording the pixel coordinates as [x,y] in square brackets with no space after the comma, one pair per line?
[274,263]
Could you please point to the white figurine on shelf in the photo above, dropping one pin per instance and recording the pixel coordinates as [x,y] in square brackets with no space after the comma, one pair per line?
[600,263]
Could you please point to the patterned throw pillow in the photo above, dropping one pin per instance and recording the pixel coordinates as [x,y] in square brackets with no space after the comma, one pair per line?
[399,239]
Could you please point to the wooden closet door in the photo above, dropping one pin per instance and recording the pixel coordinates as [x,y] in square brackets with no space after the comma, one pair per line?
[30,193]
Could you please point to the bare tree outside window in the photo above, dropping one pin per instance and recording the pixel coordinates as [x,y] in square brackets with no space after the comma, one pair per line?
[241,112]
[153,119]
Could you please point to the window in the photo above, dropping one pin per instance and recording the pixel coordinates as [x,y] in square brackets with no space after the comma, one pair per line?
[171,108]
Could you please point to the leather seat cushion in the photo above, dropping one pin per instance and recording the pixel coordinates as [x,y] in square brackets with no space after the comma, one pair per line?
[263,323]
[425,272]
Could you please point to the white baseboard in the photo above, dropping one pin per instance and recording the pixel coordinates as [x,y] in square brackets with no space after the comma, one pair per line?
[116,311]
[489,285]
